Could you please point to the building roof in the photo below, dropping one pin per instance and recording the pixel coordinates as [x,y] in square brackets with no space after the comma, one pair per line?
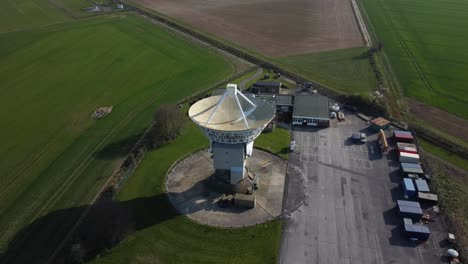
[380,121]
[284,100]
[269,84]
[311,106]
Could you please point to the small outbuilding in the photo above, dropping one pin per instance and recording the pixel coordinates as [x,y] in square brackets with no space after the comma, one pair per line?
[284,103]
[311,110]
[379,123]
[266,87]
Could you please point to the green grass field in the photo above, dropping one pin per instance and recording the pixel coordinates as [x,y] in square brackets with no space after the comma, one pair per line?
[425,41]
[343,70]
[178,239]
[22,14]
[53,78]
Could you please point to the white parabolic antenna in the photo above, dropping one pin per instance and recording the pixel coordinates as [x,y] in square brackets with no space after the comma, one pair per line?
[232,115]
[231,121]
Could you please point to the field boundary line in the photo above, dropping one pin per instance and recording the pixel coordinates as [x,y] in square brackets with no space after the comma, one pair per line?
[361,24]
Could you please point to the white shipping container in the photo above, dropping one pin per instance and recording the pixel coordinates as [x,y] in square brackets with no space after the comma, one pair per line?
[409,157]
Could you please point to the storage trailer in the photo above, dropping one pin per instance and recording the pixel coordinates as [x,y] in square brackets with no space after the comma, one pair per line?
[408,187]
[430,197]
[405,157]
[403,136]
[411,168]
[420,232]
[407,147]
[409,209]
[421,185]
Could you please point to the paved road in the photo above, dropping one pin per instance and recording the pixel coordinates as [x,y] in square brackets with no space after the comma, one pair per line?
[257,74]
[341,208]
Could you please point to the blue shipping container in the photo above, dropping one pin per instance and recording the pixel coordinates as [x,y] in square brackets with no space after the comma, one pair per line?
[421,185]
[417,231]
[408,187]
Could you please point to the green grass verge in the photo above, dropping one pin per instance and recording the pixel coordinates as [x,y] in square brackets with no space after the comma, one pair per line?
[443,154]
[52,79]
[178,239]
[451,185]
[276,142]
[344,69]
[428,57]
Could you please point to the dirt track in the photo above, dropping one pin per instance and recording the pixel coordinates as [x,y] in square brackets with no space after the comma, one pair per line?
[275,28]
[440,119]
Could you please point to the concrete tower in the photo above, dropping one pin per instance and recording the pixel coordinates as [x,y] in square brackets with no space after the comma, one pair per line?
[232,122]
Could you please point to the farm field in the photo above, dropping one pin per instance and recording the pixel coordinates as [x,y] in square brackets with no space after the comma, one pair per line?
[273,28]
[55,155]
[426,41]
[176,239]
[22,14]
[345,70]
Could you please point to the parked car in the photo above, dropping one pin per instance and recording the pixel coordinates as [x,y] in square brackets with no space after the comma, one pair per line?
[363,138]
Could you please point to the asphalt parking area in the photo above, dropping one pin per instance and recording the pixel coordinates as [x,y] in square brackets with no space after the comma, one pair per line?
[340,207]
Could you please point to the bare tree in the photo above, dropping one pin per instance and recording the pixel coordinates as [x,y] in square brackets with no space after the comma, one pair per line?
[169,121]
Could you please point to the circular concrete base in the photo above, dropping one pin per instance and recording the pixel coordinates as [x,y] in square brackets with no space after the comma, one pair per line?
[190,190]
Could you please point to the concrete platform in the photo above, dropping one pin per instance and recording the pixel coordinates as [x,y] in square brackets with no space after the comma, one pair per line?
[190,192]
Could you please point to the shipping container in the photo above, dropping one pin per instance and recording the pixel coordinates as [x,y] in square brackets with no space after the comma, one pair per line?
[406,203]
[428,197]
[403,136]
[408,187]
[420,232]
[421,185]
[411,168]
[405,157]
[407,147]
[409,209]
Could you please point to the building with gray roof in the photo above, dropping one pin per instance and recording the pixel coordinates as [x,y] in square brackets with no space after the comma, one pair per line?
[311,110]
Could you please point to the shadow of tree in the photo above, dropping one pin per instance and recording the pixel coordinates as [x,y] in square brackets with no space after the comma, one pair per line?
[118,149]
[107,223]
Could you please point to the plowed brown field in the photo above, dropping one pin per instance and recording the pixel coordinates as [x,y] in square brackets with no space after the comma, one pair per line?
[440,119]
[276,28]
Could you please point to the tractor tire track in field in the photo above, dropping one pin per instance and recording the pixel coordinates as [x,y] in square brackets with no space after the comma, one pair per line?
[64,187]
[28,163]
[76,172]
[414,61]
